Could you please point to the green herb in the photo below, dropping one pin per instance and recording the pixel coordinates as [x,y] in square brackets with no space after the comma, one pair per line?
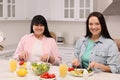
[89,70]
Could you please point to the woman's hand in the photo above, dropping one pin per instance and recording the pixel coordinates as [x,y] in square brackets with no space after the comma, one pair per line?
[48,58]
[75,62]
[94,65]
[99,66]
[23,55]
[45,58]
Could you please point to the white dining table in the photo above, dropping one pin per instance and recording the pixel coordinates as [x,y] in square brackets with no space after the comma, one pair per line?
[5,74]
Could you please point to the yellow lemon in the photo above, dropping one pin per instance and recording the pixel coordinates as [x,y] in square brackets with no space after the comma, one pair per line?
[22,72]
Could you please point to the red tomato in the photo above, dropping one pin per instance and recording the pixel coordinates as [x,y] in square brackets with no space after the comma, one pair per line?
[52,75]
[21,62]
[42,76]
[47,75]
[70,69]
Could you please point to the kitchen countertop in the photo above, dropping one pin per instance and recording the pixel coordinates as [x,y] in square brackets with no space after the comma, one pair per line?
[11,48]
[66,46]
[8,49]
[7,75]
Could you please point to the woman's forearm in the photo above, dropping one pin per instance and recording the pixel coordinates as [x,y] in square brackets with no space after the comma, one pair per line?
[104,68]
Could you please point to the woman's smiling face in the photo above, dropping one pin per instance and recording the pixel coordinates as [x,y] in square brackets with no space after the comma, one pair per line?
[38,29]
[94,26]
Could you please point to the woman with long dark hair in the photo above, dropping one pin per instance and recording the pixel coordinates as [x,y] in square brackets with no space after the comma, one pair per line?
[39,44]
[97,50]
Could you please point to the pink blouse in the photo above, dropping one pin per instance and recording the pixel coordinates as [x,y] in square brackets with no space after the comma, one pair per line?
[49,46]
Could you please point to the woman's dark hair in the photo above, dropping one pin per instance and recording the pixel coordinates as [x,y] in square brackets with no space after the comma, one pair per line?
[104,30]
[39,19]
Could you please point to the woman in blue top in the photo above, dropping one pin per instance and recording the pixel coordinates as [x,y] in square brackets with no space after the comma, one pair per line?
[97,50]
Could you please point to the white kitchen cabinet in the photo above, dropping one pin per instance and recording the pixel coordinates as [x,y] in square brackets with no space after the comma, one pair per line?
[43,8]
[67,54]
[17,9]
[64,10]
[30,7]
[20,10]
[36,7]
[7,9]
[1,8]
[57,10]
[71,10]
[77,10]
[11,9]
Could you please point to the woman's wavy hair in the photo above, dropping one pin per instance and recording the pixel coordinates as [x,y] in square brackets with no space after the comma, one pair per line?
[104,30]
[39,19]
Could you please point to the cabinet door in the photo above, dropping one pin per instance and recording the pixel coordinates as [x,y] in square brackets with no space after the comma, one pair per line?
[1,9]
[43,8]
[7,9]
[20,10]
[67,55]
[37,7]
[77,10]
[57,10]
[11,9]
[30,7]
[85,8]
[69,9]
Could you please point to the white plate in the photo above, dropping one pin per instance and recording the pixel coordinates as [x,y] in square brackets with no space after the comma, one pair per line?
[79,75]
[48,79]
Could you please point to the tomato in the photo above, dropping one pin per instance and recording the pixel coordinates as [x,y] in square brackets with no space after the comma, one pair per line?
[47,75]
[52,76]
[70,69]
[21,62]
[42,76]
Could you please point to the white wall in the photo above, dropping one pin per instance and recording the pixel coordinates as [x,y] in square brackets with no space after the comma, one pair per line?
[113,22]
[71,30]
[102,4]
[77,29]
[14,30]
